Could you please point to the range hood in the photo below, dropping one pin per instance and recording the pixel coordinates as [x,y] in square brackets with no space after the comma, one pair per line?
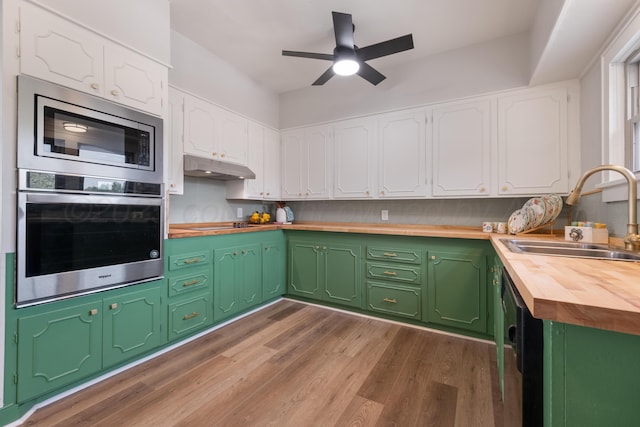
[215,169]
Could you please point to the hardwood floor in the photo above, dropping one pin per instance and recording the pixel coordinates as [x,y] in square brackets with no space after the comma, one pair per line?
[293,364]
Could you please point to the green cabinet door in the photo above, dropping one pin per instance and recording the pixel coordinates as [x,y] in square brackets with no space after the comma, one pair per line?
[249,276]
[56,348]
[498,318]
[457,291]
[304,269]
[225,265]
[273,269]
[342,274]
[131,325]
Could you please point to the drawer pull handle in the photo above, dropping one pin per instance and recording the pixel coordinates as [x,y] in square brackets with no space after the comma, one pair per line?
[390,300]
[192,260]
[391,254]
[113,306]
[191,283]
[191,316]
[390,273]
[93,312]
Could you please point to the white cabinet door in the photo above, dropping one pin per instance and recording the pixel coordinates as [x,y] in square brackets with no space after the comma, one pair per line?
[254,188]
[462,139]
[293,148]
[402,167]
[133,80]
[233,138]
[60,52]
[318,163]
[533,142]
[271,169]
[174,125]
[305,163]
[201,128]
[354,159]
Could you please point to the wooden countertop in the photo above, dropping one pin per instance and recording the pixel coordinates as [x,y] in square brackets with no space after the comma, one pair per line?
[595,293]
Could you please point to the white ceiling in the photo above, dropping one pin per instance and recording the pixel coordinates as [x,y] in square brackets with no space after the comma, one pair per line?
[251,34]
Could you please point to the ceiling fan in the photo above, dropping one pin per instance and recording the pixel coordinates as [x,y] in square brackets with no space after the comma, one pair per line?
[349,59]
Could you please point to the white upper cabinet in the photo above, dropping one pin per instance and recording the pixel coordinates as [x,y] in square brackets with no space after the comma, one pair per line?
[533,142]
[271,140]
[264,161]
[174,135]
[462,135]
[306,163]
[213,132]
[402,169]
[59,51]
[354,159]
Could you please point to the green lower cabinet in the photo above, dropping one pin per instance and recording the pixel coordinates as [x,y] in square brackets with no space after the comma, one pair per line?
[58,347]
[189,315]
[394,300]
[131,325]
[274,271]
[498,318]
[457,290]
[237,282]
[326,272]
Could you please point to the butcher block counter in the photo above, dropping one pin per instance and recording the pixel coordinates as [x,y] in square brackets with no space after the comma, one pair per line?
[587,292]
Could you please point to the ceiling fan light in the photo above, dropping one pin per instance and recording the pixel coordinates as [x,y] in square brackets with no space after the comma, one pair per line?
[346,67]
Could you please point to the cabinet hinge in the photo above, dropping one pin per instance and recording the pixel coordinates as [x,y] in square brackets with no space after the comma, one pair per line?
[568,98]
[18,52]
[15,378]
[18,26]
[15,337]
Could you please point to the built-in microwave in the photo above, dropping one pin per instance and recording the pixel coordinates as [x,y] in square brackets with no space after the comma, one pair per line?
[63,130]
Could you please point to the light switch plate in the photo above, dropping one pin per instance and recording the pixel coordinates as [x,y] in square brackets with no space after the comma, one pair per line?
[384,215]
[239,213]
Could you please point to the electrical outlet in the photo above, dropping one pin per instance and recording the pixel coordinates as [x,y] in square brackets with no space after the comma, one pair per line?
[384,215]
[239,213]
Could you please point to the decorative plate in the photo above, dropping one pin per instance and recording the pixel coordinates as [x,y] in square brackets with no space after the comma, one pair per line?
[539,210]
[548,208]
[518,221]
[557,205]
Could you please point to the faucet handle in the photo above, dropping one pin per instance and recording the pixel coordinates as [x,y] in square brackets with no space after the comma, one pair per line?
[632,242]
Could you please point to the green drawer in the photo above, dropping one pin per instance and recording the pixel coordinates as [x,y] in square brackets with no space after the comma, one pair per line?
[395,300]
[398,273]
[186,283]
[189,315]
[176,262]
[410,256]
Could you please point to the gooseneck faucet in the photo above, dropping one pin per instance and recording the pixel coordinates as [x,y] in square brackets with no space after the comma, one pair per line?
[632,239]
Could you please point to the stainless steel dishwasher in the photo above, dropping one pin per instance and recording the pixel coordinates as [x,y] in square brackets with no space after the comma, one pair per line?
[523,402]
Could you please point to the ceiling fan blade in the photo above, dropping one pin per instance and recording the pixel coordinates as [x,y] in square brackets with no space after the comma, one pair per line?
[343,29]
[370,74]
[389,47]
[324,77]
[327,56]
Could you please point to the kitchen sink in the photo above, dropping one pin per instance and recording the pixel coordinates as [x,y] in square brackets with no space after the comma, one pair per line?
[220,227]
[570,249]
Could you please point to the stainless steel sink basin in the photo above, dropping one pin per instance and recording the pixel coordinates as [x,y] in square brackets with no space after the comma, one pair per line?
[570,249]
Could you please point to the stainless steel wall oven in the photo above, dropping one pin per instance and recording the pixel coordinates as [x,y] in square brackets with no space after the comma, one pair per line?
[90,206]
[80,234]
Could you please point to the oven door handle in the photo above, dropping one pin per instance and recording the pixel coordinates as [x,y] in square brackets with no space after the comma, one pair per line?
[91,199]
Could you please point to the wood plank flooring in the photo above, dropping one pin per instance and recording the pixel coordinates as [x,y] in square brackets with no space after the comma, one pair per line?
[293,364]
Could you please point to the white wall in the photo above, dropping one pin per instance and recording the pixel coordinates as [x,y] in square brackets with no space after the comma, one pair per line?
[485,67]
[546,18]
[142,25]
[199,71]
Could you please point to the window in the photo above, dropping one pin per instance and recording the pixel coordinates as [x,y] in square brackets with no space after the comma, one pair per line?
[632,116]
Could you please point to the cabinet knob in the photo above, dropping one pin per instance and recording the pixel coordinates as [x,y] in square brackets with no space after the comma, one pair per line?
[266,248]
[324,248]
[172,185]
[95,86]
[215,153]
[235,253]
[382,193]
[483,189]
[504,188]
[113,306]
[433,257]
[114,92]
[268,194]
[93,312]
[261,193]
[222,155]
[244,252]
